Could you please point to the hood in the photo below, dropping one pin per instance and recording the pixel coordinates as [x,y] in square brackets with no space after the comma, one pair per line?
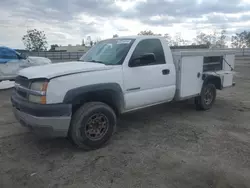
[39,60]
[59,69]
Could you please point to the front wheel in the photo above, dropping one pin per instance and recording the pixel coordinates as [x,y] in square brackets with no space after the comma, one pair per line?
[207,97]
[92,125]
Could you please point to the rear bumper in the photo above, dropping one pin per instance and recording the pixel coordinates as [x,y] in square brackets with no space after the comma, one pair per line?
[45,120]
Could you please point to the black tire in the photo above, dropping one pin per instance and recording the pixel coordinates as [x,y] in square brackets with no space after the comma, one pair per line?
[202,102]
[82,121]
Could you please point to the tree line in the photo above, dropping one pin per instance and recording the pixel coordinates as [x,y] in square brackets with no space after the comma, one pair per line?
[35,40]
[213,40]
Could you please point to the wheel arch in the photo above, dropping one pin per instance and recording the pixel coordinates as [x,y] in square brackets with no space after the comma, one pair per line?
[109,93]
[213,79]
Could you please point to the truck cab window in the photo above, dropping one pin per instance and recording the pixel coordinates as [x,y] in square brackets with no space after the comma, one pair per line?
[149,46]
[108,52]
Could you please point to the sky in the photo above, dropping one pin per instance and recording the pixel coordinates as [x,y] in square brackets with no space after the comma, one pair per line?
[69,21]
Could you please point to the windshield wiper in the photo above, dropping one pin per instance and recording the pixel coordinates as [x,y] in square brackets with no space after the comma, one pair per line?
[95,61]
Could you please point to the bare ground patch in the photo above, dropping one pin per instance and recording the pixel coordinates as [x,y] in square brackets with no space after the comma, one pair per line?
[171,145]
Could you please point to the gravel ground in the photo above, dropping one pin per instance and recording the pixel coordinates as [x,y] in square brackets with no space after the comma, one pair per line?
[171,145]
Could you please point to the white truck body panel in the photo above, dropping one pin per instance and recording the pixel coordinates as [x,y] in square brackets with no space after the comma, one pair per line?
[146,85]
[82,99]
[190,63]
[59,86]
[59,69]
[142,89]
[142,86]
[190,84]
[226,77]
[115,76]
[230,58]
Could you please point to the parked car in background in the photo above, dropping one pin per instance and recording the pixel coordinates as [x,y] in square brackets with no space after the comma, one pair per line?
[12,61]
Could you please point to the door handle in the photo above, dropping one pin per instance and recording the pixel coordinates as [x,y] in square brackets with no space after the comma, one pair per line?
[165,71]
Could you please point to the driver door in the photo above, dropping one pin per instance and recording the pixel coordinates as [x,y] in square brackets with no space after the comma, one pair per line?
[148,83]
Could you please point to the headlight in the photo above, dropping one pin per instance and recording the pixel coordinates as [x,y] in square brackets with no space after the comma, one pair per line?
[38,92]
[37,86]
[37,99]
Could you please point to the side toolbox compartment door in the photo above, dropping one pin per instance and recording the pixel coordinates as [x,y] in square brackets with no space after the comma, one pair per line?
[190,76]
[227,80]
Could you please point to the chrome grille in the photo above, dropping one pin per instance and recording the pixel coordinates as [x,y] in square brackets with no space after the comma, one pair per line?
[22,81]
[22,93]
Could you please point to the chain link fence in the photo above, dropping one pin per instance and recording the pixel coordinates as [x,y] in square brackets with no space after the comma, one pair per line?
[76,55]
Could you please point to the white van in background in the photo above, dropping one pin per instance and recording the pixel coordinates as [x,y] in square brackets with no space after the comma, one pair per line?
[11,62]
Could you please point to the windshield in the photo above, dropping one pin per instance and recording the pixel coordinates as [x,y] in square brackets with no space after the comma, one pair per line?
[108,52]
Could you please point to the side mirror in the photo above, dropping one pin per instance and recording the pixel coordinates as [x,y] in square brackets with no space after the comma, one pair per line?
[22,56]
[144,59]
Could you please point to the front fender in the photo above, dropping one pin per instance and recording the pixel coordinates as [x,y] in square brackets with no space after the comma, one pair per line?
[76,93]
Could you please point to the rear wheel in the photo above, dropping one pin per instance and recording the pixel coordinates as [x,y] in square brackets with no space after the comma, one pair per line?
[92,126]
[207,97]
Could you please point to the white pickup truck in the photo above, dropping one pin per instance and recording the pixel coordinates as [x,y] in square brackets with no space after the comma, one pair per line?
[82,99]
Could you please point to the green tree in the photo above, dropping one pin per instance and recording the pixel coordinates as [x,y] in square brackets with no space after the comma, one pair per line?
[241,40]
[169,39]
[97,39]
[213,40]
[221,39]
[35,40]
[91,43]
[202,38]
[178,40]
[53,47]
[146,32]
[83,43]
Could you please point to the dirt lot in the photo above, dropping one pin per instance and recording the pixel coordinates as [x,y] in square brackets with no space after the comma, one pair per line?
[171,145]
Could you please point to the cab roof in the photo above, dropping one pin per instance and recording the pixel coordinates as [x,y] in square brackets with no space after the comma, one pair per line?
[4,47]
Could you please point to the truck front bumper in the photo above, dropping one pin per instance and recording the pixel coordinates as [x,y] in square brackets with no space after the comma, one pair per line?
[50,120]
